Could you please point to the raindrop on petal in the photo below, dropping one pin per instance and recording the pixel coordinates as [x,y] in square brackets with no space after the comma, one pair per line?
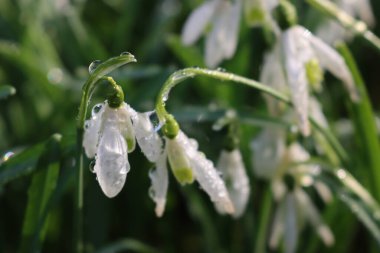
[96,109]
[91,166]
[125,53]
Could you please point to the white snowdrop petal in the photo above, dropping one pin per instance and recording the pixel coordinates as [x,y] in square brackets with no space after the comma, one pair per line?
[213,49]
[206,175]
[268,150]
[291,235]
[323,191]
[365,12]
[316,112]
[125,115]
[296,75]
[297,153]
[272,74]
[198,21]
[160,181]
[112,164]
[314,217]
[333,62]
[331,32]
[91,133]
[278,225]
[149,140]
[231,22]
[234,174]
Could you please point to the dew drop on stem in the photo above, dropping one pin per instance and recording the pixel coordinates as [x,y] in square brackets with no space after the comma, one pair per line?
[93,66]
[125,53]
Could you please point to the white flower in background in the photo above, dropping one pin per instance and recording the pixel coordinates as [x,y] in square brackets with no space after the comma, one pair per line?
[303,54]
[331,31]
[268,149]
[272,74]
[231,165]
[294,205]
[259,13]
[221,40]
[109,137]
[294,209]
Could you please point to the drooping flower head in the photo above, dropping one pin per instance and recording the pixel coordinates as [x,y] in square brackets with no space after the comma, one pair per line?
[109,137]
[221,40]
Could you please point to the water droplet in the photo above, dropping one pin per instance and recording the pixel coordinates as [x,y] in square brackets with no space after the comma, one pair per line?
[221,69]
[341,173]
[125,53]
[92,166]
[96,109]
[86,125]
[93,66]
[152,193]
[55,75]
[165,96]
[7,155]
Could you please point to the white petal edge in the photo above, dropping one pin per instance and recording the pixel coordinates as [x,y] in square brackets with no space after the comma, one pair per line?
[231,165]
[91,132]
[197,22]
[159,179]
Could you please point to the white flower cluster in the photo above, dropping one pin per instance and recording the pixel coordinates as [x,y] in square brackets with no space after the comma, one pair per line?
[275,161]
[111,134]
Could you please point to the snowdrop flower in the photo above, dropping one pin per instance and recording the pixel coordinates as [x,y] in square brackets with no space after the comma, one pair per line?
[268,149]
[231,165]
[331,31]
[221,41]
[186,163]
[109,137]
[303,54]
[294,205]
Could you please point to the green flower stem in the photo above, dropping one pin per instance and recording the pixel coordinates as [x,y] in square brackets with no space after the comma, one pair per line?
[264,221]
[355,26]
[87,90]
[365,125]
[182,75]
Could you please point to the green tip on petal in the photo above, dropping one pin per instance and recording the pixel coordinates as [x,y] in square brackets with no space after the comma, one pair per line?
[131,143]
[314,74]
[285,15]
[184,175]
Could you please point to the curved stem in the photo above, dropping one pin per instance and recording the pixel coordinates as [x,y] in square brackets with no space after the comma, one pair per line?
[182,75]
[355,26]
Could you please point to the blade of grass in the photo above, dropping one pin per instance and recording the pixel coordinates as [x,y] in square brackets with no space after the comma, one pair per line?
[42,185]
[6,91]
[365,126]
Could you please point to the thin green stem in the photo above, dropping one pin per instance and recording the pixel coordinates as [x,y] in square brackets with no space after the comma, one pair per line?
[181,75]
[355,26]
[264,221]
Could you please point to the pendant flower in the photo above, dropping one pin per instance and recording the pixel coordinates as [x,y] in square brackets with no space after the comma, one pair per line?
[186,163]
[304,54]
[221,41]
[109,137]
[231,166]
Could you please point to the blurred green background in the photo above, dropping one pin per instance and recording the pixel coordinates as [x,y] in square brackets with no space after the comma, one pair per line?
[46,47]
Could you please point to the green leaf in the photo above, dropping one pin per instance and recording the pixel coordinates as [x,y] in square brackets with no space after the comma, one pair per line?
[363,117]
[6,91]
[190,56]
[20,164]
[40,191]
[127,244]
